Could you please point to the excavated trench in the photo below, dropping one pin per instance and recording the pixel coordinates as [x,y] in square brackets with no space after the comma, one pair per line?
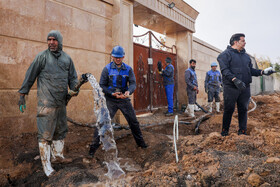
[206,159]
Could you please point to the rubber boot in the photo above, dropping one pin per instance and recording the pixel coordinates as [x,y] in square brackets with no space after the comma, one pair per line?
[45,153]
[57,152]
[210,107]
[191,108]
[218,107]
[196,108]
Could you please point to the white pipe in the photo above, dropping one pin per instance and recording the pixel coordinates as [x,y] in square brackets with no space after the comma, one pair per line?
[176,136]
[255,105]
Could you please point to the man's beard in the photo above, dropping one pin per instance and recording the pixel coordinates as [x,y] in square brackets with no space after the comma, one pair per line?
[193,67]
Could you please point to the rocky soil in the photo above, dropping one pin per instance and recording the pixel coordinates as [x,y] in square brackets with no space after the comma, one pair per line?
[206,159]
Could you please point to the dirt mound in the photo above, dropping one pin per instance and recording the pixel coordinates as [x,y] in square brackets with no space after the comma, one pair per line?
[207,159]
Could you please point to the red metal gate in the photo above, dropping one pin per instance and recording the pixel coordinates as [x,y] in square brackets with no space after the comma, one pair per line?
[150,92]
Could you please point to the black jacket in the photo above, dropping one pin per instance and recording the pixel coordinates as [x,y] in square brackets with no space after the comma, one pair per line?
[236,64]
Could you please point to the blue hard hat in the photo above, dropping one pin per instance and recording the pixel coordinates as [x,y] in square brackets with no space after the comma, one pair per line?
[118,52]
[214,64]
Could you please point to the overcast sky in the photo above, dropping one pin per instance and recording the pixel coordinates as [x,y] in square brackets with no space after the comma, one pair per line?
[259,20]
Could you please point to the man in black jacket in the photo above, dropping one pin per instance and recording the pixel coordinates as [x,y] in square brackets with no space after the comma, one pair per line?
[237,72]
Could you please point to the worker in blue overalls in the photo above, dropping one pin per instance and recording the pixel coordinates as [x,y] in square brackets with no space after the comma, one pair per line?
[213,82]
[168,82]
[118,82]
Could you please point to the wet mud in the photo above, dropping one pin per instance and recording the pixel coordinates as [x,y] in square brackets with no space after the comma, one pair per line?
[206,159]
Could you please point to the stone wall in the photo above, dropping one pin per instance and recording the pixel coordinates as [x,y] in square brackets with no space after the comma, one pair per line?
[204,54]
[86,27]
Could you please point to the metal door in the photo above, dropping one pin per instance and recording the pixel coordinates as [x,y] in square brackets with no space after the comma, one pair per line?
[150,92]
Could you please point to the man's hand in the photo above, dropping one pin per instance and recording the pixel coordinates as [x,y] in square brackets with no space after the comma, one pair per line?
[221,89]
[197,91]
[206,90]
[239,84]
[117,94]
[73,93]
[126,94]
[21,103]
[268,71]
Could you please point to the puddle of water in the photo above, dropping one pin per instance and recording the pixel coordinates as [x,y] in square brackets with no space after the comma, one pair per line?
[105,131]
[129,165]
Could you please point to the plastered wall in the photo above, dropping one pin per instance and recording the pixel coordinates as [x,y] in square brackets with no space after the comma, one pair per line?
[204,54]
[86,27]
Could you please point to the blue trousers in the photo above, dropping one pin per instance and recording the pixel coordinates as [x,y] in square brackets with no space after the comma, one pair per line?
[169,90]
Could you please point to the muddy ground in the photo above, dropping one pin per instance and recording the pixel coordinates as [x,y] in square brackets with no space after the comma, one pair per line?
[206,159]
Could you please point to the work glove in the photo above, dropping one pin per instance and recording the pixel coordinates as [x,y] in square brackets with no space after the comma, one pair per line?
[85,76]
[239,84]
[73,93]
[159,65]
[268,71]
[21,103]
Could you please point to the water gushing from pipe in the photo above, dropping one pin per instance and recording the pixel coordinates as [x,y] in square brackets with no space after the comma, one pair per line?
[105,130]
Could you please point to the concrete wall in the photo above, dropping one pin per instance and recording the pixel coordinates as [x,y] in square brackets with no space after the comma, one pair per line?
[204,54]
[256,81]
[86,27]
[276,82]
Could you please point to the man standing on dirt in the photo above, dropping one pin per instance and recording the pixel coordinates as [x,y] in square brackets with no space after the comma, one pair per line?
[168,82]
[192,86]
[54,71]
[118,82]
[213,82]
[237,72]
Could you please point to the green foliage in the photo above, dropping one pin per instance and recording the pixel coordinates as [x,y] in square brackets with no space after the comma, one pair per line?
[263,62]
[277,67]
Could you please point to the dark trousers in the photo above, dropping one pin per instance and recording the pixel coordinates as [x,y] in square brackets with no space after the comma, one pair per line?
[169,90]
[213,92]
[128,111]
[191,96]
[231,96]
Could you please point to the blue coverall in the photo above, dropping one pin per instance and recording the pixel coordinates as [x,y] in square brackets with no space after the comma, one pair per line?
[213,81]
[114,79]
[168,82]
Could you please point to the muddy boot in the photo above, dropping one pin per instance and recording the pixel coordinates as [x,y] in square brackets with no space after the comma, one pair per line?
[57,153]
[224,132]
[191,113]
[143,145]
[196,108]
[242,132]
[210,107]
[45,153]
[218,107]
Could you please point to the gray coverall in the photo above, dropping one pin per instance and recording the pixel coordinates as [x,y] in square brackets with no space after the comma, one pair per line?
[54,71]
[191,81]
